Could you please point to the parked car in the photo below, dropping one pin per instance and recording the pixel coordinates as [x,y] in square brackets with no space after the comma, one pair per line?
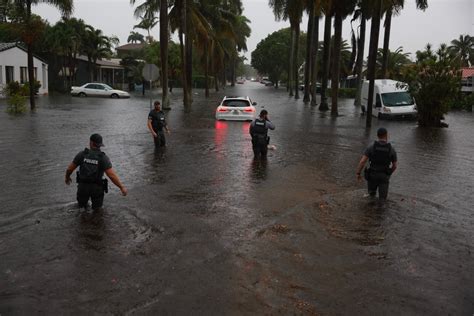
[391,99]
[240,81]
[98,90]
[318,87]
[236,109]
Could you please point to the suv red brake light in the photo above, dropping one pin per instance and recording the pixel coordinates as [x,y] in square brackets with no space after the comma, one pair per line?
[249,110]
[221,110]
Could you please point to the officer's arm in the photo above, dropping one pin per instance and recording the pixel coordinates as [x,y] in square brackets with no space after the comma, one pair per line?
[270,125]
[115,179]
[150,127]
[361,165]
[70,169]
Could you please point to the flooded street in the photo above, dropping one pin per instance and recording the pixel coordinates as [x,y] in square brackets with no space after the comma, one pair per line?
[206,230]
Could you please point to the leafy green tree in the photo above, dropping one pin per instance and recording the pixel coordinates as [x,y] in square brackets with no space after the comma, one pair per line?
[96,46]
[272,55]
[434,81]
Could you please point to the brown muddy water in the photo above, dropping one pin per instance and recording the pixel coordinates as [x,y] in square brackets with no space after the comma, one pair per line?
[206,230]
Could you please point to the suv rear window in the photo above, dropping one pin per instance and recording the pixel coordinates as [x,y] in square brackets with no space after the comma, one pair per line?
[236,103]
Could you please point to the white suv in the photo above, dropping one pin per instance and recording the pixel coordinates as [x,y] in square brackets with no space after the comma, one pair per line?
[236,109]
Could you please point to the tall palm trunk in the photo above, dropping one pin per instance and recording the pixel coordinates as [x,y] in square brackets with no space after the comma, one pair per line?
[164,52]
[29,50]
[206,70]
[314,59]
[309,52]
[291,73]
[189,64]
[374,43]
[183,32]
[336,63]
[232,71]
[295,62]
[326,59]
[386,42]
[360,58]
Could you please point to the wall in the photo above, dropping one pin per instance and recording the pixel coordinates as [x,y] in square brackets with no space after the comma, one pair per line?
[18,58]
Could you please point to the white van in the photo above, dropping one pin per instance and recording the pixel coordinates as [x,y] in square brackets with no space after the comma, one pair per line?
[391,99]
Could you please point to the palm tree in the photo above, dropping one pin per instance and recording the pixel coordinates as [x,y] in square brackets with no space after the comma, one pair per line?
[97,46]
[363,12]
[393,7]
[328,12]
[135,37]
[292,10]
[64,6]
[342,8]
[313,8]
[463,49]
[373,47]
[147,23]
[395,62]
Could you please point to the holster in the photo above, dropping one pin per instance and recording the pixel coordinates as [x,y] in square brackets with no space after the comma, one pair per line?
[366,174]
[105,185]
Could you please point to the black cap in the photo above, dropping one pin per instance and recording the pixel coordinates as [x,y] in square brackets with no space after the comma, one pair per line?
[381,132]
[263,112]
[97,140]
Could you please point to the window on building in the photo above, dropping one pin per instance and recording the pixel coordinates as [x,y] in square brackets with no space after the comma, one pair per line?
[9,74]
[1,75]
[35,73]
[23,74]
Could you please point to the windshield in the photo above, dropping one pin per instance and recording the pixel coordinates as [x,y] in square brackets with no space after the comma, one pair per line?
[236,103]
[397,99]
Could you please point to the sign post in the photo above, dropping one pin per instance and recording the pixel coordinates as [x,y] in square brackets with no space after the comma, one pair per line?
[151,73]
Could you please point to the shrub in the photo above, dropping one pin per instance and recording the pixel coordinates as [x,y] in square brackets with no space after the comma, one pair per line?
[16,97]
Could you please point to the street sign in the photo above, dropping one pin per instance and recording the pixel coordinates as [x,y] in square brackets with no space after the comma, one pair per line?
[150,72]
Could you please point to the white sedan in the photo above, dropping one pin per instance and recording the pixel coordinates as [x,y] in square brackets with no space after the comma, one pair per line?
[236,109]
[98,90]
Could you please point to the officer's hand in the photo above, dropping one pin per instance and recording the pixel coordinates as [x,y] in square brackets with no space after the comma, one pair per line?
[168,131]
[124,191]
[68,180]
[154,134]
[359,177]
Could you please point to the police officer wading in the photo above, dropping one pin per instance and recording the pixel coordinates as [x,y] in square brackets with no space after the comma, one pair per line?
[259,132]
[156,124]
[383,162]
[92,163]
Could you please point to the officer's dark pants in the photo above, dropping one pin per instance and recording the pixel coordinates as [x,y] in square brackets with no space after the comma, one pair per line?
[259,150]
[380,181]
[90,190]
[160,140]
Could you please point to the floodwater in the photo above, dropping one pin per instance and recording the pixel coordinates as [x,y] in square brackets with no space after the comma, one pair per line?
[206,230]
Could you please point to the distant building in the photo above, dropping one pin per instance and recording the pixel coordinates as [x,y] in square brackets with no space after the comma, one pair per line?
[130,49]
[14,66]
[467,80]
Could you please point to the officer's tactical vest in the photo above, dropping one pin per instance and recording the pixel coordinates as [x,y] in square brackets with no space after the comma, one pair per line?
[89,170]
[260,127]
[380,158]
[160,122]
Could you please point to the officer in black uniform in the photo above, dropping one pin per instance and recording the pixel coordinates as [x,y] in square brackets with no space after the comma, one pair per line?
[383,162]
[92,163]
[259,132]
[156,124]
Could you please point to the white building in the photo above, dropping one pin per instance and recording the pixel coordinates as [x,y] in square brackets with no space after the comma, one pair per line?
[14,66]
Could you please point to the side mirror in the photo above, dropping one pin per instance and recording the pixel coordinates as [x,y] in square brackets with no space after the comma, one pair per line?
[254,103]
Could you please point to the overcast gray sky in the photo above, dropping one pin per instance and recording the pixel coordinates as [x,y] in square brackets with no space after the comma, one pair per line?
[443,21]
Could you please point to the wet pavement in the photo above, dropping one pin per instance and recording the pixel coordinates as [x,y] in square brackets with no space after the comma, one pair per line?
[206,230]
